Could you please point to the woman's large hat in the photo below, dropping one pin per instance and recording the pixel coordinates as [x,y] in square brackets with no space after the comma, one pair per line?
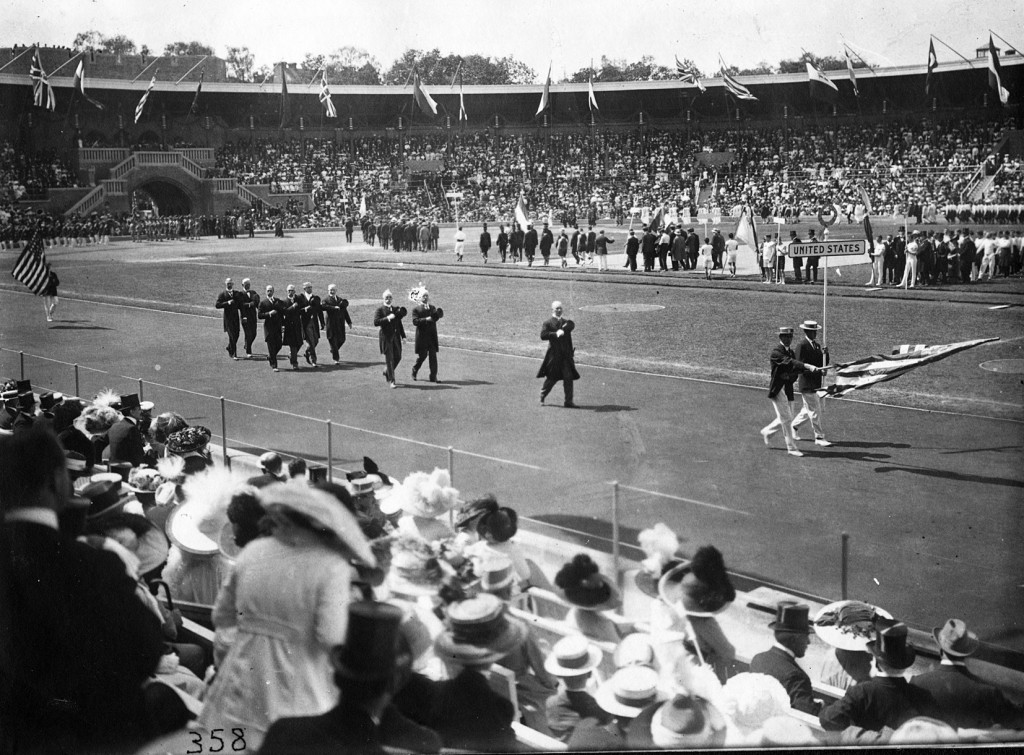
[195,526]
[661,545]
[580,583]
[700,587]
[421,494]
[479,632]
[147,542]
[414,569]
[848,624]
[190,440]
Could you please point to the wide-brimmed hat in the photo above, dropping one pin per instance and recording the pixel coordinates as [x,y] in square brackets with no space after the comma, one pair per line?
[700,587]
[323,510]
[956,639]
[421,494]
[791,616]
[151,546]
[193,530]
[143,482]
[574,655]
[749,700]
[810,325]
[580,583]
[682,723]
[628,691]
[890,646]
[414,569]
[105,494]
[75,463]
[848,624]
[479,632]
[370,651]
[189,440]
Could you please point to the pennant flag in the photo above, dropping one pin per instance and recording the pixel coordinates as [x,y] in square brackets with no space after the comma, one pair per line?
[422,98]
[869,234]
[463,116]
[80,85]
[32,269]
[546,94]
[864,373]
[995,74]
[194,108]
[657,219]
[590,93]
[688,75]
[822,87]
[933,63]
[849,69]
[42,91]
[736,88]
[746,230]
[325,97]
[284,96]
[521,212]
[145,96]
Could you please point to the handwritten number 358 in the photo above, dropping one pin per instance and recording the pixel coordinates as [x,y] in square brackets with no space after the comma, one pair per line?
[217,743]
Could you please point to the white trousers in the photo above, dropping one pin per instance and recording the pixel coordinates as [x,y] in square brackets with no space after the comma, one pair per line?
[910,271]
[783,420]
[811,410]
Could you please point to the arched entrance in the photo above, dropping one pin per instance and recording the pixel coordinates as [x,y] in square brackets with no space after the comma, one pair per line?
[168,198]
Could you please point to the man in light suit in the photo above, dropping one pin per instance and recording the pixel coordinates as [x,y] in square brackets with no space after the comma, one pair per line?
[558,362]
[389,319]
[792,636]
[425,318]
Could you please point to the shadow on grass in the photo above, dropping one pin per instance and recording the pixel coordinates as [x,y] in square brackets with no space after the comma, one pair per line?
[465,382]
[955,476]
[867,444]
[608,408]
[79,327]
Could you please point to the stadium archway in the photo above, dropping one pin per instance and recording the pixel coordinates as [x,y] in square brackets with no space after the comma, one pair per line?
[167,197]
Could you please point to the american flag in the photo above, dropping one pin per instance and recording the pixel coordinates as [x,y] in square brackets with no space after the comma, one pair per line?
[866,372]
[32,269]
[325,96]
[463,116]
[737,89]
[688,75]
[42,92]
[142,103]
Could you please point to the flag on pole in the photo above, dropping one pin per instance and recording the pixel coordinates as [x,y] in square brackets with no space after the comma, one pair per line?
[42,91]
[995,74]
[867,217]
[463,116]
[735,87]
[590,92]
[849,69]
[688,75]
[546,94]
[864,373]
[32,269]
[746,230]
[422,97]
[194,108]
[933,63]
[521,212]
[284,96]
[145,96]
[822,87]
[362,205]
[657,218]
[80,85]
[325,97]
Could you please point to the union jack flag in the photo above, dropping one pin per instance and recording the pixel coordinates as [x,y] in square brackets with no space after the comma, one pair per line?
[688,75]
[325,97]
[42,92]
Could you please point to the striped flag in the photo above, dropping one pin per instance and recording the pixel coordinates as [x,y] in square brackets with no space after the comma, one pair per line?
[995,74]
[866,372]
[822,87]
[462,102]
[32,269]
[739,91]
[590,93]
[145,96]
[521,212]
[325,97]
[422,97]
[849,69]
[545,96]
[933,63]
[867,217]
[42,91]
[656,221]
[194,107]
[688,75]
[80,85]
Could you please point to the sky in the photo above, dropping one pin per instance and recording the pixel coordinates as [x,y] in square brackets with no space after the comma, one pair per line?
[565,33]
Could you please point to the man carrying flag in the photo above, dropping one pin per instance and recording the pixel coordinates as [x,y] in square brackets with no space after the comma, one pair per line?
[142,102]
[34,271]
[80,85]
[325,97]
[42,90]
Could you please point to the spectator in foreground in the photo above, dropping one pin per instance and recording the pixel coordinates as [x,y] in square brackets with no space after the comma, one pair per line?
[792,636]
[573,660]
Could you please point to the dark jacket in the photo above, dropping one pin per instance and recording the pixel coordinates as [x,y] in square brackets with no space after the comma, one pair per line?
[337,317]
[250,303]
[877,703]
[785,370]
[426,330]
[966,702]
[230,302]
[293,320]
[344,730]
[782,666]
[390,330]
[547,239]
[127,443]
[271,312]
[632,246]
[485,241]
[810,352]
[558,361]
[530,241]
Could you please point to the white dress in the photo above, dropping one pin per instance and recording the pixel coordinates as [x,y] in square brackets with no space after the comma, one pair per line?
[290,606]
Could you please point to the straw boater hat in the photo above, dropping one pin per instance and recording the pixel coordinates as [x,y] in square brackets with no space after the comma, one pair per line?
[580,583]
[810,325]
[479,632]
[700,587]
[574,655]
[496,573]
[629,691]
[685,722]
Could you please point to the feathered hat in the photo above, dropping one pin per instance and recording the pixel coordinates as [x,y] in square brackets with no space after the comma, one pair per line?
[194,527]
[700,587]
[661,545]
[421,494]
[580,583]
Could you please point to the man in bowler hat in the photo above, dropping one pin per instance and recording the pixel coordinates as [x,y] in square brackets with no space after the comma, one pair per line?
[792,636]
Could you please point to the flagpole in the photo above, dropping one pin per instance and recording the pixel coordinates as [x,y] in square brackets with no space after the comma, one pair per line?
[190,70]
[69,60]
[16,57]
[953,49]
[1002,40]
[144,70]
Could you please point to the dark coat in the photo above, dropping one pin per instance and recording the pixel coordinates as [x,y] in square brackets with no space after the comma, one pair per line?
[250,304]
[877,703]
[503,240]
[547,239]
[966,702]
[811,353]
[485,241]
[517,238]
[293,320]
[312,313]
[530,242]
[650,244]
[601,244]
[632,246]
[78,643]
[785,370]
[271,311]
[73,439]
[342,731]
[591,241]
[426,330]
[230,302]
[127,443]
[391,331]
[558,361]
[337,317]
[692,245]
[778,663]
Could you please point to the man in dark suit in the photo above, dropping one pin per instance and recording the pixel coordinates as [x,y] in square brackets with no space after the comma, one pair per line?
[273,471]
[230,301]
[349,226]
[964,700]
[76,643]
[126,441]
[516,240]
[692,248]
[425,318]
[389,319]
[312,321]
[485,242]
[632,247]
[797,261]
[271,311]
[792,636]
[785,370]
[336,310]
[502,242]
[249,309]
[558,362]
[811,352]
[547,240]
[887,699]
[293,335]
[530,242]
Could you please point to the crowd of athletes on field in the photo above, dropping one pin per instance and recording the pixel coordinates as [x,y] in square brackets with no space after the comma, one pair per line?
[388,610]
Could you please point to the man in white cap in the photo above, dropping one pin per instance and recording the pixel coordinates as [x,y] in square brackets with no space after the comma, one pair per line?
[811,352]
[785,370]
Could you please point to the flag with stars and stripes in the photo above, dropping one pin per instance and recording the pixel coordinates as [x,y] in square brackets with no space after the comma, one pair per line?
[32,269]
[145,96]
